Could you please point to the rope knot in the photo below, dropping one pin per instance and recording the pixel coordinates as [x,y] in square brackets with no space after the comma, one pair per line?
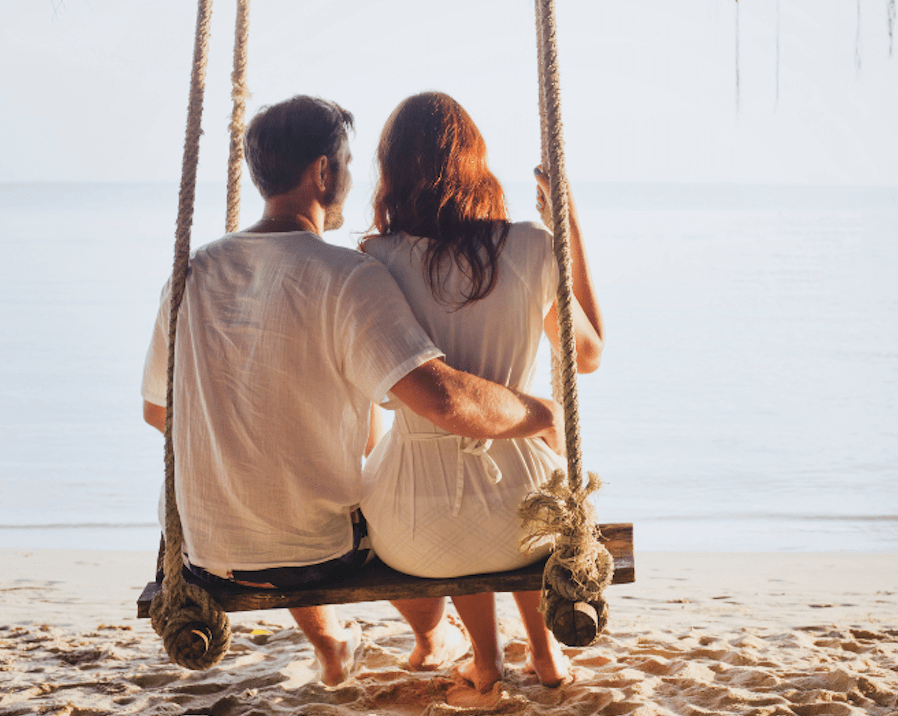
[580,567]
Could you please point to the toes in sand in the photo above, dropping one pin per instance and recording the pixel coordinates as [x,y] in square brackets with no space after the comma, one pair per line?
[481,676]
[552,670]
[334,669]
[450,645]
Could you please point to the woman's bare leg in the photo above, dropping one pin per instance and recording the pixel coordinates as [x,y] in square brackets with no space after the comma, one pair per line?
[437,642]
[334,644]
[478,614]
[546,659]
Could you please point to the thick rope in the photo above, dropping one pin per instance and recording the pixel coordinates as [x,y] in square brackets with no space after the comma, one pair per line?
[561,226]
[555,362]
[182,614]
[580,567]
[239,95]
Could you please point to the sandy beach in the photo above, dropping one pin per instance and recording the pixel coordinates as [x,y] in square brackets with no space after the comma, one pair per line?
[714,633]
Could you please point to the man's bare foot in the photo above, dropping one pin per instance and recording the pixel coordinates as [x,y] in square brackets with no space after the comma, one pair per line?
[552,669]
[447,644]
[335,663]
[482,677]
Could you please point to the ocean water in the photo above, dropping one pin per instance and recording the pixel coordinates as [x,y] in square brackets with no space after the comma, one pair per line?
[747,400]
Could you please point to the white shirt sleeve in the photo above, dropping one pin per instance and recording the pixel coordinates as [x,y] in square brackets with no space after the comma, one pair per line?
[155,367]
[377,337]
[551,274]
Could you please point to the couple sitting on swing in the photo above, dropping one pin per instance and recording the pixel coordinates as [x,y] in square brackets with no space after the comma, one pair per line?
[285,343]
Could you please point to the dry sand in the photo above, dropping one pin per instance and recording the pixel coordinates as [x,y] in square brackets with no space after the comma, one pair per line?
[759,634]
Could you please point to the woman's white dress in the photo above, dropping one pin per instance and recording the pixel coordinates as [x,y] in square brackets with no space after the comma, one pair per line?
[439,505]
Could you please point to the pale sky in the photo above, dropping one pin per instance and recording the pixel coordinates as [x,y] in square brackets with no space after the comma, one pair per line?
[96,90]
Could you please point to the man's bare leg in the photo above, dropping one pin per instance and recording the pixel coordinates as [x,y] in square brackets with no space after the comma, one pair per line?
[334,644]
[438,642]
[478,613]
[546,659]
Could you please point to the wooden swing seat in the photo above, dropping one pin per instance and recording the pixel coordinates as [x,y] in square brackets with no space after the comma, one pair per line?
[377,582]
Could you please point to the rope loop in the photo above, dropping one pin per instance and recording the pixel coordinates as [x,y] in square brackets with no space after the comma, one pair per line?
[195,630]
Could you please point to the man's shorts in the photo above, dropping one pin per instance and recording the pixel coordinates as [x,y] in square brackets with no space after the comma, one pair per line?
[292,577]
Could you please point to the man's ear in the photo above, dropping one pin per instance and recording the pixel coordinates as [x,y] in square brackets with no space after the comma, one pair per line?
[321,172]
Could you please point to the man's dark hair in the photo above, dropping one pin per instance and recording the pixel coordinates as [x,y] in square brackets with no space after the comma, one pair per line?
[284,138]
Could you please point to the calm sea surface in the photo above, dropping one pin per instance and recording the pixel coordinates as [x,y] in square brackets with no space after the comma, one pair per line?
[747,400]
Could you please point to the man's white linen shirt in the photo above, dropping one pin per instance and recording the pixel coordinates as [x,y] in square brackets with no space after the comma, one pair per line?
[283,342]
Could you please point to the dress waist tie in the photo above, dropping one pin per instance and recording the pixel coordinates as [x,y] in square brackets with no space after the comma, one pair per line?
[476,447]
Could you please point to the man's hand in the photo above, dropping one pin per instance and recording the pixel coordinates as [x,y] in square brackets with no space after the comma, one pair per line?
[554,435]
[154,415]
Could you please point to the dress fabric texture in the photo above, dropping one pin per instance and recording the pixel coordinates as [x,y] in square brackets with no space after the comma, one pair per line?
[283,342]
[439,505]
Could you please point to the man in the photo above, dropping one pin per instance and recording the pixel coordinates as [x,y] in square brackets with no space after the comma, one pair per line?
[284,342]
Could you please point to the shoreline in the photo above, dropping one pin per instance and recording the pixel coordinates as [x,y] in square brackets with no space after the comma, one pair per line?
[732,533]
[697,633]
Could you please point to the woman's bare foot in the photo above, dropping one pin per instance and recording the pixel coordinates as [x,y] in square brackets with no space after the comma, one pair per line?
[448,643]
[481,676]
[552,668]
[335,661]
[546,660]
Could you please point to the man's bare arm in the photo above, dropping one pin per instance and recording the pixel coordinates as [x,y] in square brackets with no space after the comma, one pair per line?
[154,415]
[470,406]
[462,404]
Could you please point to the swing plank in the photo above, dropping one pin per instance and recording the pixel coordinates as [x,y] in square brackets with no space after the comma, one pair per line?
[377,582]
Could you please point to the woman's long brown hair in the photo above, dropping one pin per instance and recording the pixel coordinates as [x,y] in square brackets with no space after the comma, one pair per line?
[434,182]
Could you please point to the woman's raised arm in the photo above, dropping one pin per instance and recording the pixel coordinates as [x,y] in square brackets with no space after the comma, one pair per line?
[589,328]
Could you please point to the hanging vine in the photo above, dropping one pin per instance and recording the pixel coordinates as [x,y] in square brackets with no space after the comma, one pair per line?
[776,104]
[891,8]
[892,16]
[737,55]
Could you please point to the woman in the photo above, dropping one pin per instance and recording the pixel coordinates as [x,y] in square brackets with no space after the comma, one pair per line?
[484,289]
